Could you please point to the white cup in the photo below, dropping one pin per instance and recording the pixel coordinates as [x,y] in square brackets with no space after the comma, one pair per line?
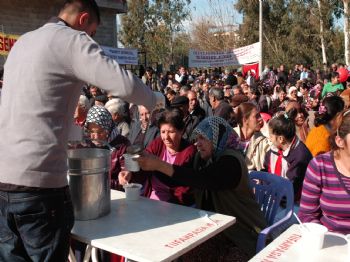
[313,235]
[130,163]
[132,191]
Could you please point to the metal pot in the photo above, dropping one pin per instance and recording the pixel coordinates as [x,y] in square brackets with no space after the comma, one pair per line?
[89,182]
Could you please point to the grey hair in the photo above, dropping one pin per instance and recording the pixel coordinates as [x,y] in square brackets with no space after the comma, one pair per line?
[116,106]
[84,102]
[216,92]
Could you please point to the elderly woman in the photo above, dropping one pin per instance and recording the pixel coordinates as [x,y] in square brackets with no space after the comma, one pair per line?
[173,149]
[220,177]
[253,143]
[120,115]
[293,94]
[100,128]
[325,198]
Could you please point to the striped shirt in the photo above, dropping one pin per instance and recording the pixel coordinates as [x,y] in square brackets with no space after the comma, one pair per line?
[326,195]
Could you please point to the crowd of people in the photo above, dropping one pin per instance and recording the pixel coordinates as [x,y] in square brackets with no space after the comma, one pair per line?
[213,128]
[201,132]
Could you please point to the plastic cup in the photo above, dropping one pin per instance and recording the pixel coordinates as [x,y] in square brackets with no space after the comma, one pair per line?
[130,164]
[313,236]
[132,191]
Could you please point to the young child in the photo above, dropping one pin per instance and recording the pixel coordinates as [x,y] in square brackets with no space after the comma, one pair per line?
[288,156]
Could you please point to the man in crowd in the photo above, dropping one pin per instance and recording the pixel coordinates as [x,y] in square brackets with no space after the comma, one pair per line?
[218,104]
[230,78]
[194,108]
[40,93]
[182,76]
[191,121]
[282,76]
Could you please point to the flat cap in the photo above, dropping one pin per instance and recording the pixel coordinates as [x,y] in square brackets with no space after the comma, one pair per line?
[179,101]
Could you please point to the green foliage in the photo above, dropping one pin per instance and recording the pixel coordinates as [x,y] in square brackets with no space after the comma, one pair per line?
[153,26]
[292,30]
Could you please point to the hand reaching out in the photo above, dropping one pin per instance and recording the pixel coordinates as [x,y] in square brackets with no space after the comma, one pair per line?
[149,162]
[124,177]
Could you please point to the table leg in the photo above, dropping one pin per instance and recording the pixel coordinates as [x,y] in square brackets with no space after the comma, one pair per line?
[71,256]
[94,257]
[87,253]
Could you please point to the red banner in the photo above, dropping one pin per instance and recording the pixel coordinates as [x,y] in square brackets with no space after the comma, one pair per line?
[6,43]
[254,70]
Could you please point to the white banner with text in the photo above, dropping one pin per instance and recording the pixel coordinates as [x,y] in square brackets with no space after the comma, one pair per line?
[124,56]
[239,56]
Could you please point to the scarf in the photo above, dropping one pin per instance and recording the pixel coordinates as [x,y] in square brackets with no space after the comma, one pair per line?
[99,115]
[217,130]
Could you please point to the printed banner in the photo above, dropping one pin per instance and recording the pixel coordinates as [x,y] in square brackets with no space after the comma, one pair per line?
[123,56]
[6,43]
[239,56]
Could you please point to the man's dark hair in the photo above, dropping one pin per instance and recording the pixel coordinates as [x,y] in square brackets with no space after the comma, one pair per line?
[89,6]
[149,70]
[334,74]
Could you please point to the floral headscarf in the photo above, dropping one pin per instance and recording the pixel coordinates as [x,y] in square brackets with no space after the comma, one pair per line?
[217,130]
[100,116]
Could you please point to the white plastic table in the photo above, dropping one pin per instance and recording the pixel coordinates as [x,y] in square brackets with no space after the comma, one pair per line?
[290,247]
[148,230]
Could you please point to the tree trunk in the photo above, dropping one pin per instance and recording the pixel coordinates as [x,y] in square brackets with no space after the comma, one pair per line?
[346,32]
[324,56]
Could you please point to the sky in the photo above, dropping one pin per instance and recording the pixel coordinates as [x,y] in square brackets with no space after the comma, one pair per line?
[202,7]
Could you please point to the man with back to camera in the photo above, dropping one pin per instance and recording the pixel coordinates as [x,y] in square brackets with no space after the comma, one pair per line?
[40,92]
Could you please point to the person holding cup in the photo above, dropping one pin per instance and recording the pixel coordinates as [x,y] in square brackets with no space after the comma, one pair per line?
[219,176]
[325,197]
[171,148]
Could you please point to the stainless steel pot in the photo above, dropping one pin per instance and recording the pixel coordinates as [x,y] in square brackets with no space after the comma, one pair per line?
[89,182]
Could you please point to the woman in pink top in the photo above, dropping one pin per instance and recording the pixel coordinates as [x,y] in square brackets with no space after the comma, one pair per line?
[325,198]
[169,147]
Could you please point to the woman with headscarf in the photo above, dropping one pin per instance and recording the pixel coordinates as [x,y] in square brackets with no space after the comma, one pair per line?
[292,93]
[102,133]
[220,177]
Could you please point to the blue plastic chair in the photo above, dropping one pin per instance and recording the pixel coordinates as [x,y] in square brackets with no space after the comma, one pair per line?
[270,190]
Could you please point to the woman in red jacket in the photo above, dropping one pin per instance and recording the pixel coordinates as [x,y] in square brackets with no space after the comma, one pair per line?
[171,148]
